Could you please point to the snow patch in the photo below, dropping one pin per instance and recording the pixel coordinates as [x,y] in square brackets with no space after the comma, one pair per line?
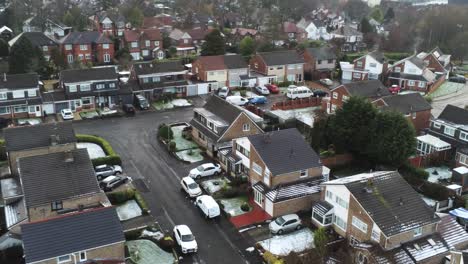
[297,241]
[146,252]
[250,249]
[94,150]
[180,102]
[191,155]
[158,235]
[128,210]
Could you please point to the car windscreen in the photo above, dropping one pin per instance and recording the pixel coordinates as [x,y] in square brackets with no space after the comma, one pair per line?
[280,220]
[193,186]
[188,238]
[200,168]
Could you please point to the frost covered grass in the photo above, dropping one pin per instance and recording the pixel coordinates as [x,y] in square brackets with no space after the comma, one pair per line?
[94,150]
[191,155]
[214,185]
[282,245]
[233,205]
[181,143]
[146,252]
[129,210]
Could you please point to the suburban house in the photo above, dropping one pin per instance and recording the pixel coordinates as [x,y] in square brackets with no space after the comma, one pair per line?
[294,33]
[371,66]
[413,106]
[109,24]
[146,44]
[315,29]
[218,122]
[284,171]
[90,236]
[87,47]
[437,61]
[285,65]
[6,33]
[350,37]
[20,96]
[38,40]
[224,69]
[198,35]
[183,42]
[47,26]
[385,220]
[371,89]
[319,62]
[163,22]
[42,193]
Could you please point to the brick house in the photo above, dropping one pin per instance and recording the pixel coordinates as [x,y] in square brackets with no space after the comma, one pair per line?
[218,122]
[436,61]
[109,23]
[224,69]
[198,35]
[87,47]
[38,40]
[90,236]
[146,44]
[285,65]
[47,26]
[294,33]
[284,171]
[20,96]
[413,106]
[183,42]
[351,38]
[319,62]
[372,66]
[371,89]
[380,211]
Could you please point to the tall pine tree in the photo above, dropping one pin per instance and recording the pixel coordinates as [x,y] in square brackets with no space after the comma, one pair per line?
[21,56]
[214,44]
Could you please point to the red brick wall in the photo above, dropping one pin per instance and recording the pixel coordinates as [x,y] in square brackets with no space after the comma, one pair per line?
[261,67]
[421,121]
[201,70]
[338,101]
[295,104]
[363,60]
[337,160]
[434,63]
[100,52]
[437,84]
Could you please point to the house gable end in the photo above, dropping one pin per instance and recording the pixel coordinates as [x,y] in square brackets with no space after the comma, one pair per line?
[235,130]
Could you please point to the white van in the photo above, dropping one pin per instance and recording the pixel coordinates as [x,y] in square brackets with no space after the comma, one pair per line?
[237,100]
[299,92]
[208,206]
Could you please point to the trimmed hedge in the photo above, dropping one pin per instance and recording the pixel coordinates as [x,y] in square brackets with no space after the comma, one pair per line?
[141,202]
[413,175]
[272,259]
[111,159]
[121,197]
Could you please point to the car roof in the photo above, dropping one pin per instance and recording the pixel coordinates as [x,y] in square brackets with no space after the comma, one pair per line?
[101,166]
[188,180]
[208,200]
[207,164]
[290,217]
[184,230]
[109,178]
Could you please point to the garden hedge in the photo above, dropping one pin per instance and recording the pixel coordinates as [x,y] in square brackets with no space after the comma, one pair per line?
[121,197]
[141,202]
[111,159]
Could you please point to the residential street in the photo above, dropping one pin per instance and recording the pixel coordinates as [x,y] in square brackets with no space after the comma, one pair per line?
[144,157]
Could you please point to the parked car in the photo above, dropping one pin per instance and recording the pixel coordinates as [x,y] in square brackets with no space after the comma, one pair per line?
[190,187]
[394,89]
[206,169]
[129,109]
[272,88]
[223,92]
[111,182]
[258,100]
[103,171]
[326,82]
[237,100]
[299,92]
[67,114]
[285,223]
[185,239]
[141,102]
[320,93]
[262,90]
[457,79]
[208,206]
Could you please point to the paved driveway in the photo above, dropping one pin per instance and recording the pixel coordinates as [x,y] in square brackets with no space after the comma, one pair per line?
[134,138]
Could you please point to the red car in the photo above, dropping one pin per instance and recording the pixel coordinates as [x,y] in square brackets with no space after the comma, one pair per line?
[394,89]
[272,88]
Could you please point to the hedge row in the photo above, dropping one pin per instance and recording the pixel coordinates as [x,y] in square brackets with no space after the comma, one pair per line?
[141,202]
[111,159]
[413,175]
[121,197]
[418,177]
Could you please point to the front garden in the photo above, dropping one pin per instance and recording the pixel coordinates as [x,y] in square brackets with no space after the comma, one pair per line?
[178,139]
[167,103]
[110,158]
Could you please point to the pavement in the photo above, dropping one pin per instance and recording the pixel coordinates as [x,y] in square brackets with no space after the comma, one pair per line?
[458,98]
[158,174]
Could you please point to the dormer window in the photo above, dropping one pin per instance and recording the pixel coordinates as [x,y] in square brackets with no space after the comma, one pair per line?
[359,64]
[3,96]
[246,127]
[417,232]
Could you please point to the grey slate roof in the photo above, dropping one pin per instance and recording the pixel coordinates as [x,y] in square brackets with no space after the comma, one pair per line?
[93,74]
[158,67]
[406,103]
[323,53]
[285,151]
[87,37]
[417,61]
[68,178]
[38,39]
[281,57]
[378,56]
[401,75]
[454,115]
[234,62]
[71,233]
[19,81]
[382,203]
[37,136]
[368,89]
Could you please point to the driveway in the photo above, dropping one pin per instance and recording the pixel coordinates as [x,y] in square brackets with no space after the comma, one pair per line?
[458,98]
[134,138]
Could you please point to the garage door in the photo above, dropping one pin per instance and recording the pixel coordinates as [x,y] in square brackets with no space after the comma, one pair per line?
[202,88]
[48,108]
[60,106]
[191,90]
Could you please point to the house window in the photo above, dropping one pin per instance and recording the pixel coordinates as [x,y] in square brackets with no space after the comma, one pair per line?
[271,68]
[5,110]
[85,87]
[246,127]
[462,158]
[72,88]
[185,41]
[266,177]
[111,85]
[63,259]
[145,53]
[32,109]
[3,96]
[279,68]
[417,231]
[421,84]
[372,65]
[83,255]
[156,79]
[134,44]
[413,115]
[397,69]
[449,131]
[331,61]
[375,235]
[335,95]
[58,205]
[18,94]
[88,56]
[147,43]
[256,65]
[463,136]
[68,47]
[70,58]
[86,100]
[78,103]
[156,43]
[341,202]
[107,57]
[319,62]
[304,173]
[80,57]
[340,222]
[359,64]
[20,109]
[411,83]
[45,48]
[100,86]
[436,125]
[359,224]
[329,195]
[32,93]
[357,75]
[201,136]
[242,150]
[257,169]
[83,47]
[105,46]
[344,98]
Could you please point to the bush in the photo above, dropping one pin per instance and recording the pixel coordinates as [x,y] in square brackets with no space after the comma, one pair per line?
[413,175]
[141,202]
[229,192]
[435,191]
[3,155]
[428,99]
[167,243]
[111,159]
[121,197]
[245,207]
[165,132]
[133,234]
[272,259]
[237,181]
[172,146]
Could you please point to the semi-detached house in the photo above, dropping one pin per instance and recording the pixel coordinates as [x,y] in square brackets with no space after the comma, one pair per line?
[285,65]
[144,44]
[38,40]
[87,47]
[20,96]
[372,66]
[226,70]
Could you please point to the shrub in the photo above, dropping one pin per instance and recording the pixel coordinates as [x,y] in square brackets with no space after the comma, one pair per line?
[172,146]
[284,84]
[167,243]
[121,197]
[3,155]
[111,159]
[435,191]
[133,234]
[237,181]
[165,132]
[229,192]
[272,259]
[141,202]
[428,99]
[245,207]
[412,173]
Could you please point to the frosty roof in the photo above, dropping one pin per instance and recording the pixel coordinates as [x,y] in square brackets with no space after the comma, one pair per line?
[434,141]
[289,191]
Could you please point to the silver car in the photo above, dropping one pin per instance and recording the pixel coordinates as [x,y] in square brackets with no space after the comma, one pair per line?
[285,223]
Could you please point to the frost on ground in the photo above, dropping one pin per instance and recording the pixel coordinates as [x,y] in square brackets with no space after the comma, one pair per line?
[146,252]
[233,205]
[214,185]
[191,155]
[297,241]
[10,187]
[128,210]
[29,121]
[94,150]
[429,201]
[182,143]
[180,102]
[436,174]
[158,235]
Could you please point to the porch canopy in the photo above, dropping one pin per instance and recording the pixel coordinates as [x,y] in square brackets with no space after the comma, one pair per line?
[460,212]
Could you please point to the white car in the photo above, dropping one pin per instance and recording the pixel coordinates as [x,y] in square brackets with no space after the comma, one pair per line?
[190,187]
[285,223]
[102,171]
[204,170]
[326,82]
[208,206]
[262,90]
[237,100]
[223,92]
[185,239]
[67,114]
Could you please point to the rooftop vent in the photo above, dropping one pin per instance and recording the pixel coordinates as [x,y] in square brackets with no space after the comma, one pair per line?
[4,77]
[69,157]
[401,201]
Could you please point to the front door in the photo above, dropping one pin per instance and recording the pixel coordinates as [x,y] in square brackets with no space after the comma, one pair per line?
[38,110]
[72,106]
[258,197]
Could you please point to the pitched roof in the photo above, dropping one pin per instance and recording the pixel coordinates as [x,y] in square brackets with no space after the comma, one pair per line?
[377,55]
[368,89]
[454,115]
[347,30]
[198,33]
[145,34]
[391,202]
[285,151]
[38,39]
[244,31]
[406,103]
[82,75]
[30,137]
[417,61]
[289,27]
[323,53]
[71,233]
[222,109]
[87,37]
[158,67]
[15,81]
[221,62]
[72,175]
[281,57]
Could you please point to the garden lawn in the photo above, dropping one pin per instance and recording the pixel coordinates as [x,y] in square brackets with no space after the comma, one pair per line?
[447,88]
[182,143]
[94,150]
[30,121]
[128,210]
[146,252]
[191,155]
[162,105]
[89,114]
[443,173]
[297,241]
[214,185]
[233,205]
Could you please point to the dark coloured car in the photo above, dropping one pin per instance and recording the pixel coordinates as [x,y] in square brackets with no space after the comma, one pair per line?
[112,182]
[258,100]
[129,109]
[457,79]
[320,93]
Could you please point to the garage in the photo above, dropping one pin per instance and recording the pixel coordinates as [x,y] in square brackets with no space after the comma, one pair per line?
[48,108]
[60,106]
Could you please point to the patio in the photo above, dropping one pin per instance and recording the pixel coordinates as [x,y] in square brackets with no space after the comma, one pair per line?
[255,216]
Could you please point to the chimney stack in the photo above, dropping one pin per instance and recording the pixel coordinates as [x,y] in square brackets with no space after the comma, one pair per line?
[69,157]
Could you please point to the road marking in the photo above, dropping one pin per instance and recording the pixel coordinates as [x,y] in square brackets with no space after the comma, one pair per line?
[137,170]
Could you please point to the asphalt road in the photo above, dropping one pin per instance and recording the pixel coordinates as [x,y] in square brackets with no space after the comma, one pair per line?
[144,157]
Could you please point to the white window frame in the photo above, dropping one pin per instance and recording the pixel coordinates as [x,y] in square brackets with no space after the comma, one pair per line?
[147,43]
[70,58]
[303,173]
[111,85]
[329,195]
[85,87]
[156,43]
[411,83]
[32,93]
[134,44]
[68,47]
[100,86]
[421,84]
[359,63]
[375,235]
[85,256]
[88,56]
[105,46]
[45,48]
[437,125]
[373,65]
[338,221]
[359,224]
[246,127]
[335,95]
[341,202]
[83,47]
[417,231]
[7,110]
[63,261]
[107,57]
[257,168]
[18,94]
[357,75]
[72,88]
[3,95]
[463,135]
[87,98]
[397,69]
[344,98]
[448,130]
